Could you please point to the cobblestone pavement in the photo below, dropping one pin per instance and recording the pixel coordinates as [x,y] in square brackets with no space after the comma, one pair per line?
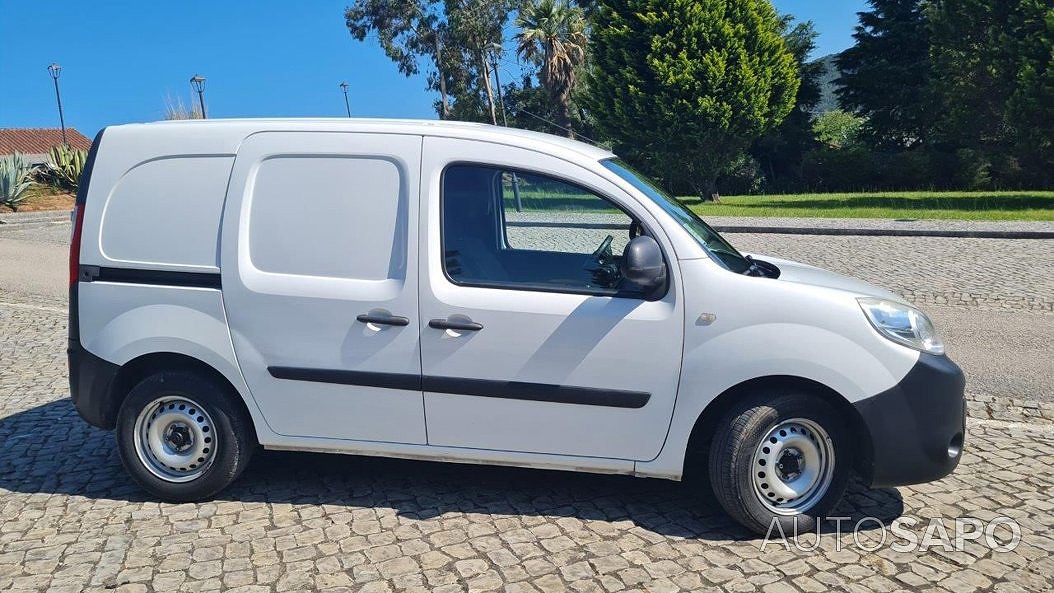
[990,273]
[71,521]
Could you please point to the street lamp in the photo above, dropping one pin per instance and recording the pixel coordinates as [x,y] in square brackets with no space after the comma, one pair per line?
[55,70]
[344,87]
[198,83]
[495,51]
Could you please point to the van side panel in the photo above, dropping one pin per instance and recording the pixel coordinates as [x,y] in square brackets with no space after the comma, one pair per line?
[127,321]
[166,212]
[811,335]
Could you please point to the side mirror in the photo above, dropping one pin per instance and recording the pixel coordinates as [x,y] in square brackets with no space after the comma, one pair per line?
[642,263]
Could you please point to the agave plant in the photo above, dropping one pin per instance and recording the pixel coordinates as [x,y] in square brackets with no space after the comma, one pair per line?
[64,166]
[14,180]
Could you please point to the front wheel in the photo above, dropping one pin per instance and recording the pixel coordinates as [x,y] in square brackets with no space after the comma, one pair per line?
[182,437]
[780,458]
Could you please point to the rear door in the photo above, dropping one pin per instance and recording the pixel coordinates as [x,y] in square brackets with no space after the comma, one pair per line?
[319,274]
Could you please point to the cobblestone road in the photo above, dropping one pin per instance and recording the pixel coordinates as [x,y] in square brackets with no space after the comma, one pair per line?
[71,521]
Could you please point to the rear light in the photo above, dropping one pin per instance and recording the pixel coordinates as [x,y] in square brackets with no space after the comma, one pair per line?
[77,217]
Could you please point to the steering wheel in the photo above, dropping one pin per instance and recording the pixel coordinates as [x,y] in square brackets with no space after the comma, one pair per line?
[603,254]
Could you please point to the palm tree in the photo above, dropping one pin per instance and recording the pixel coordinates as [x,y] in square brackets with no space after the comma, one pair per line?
[553,34]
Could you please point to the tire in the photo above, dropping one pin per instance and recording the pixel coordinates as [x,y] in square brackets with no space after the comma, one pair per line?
[182,436]
[742,454]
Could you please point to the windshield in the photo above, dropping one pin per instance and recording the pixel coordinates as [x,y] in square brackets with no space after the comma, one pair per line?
[703,234]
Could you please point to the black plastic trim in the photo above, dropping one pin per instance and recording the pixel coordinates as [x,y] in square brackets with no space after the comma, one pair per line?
[537,392]
[518,390]
[917,427]
[157,277]
[383,320]
[470,326]
[342,377]
[90,379]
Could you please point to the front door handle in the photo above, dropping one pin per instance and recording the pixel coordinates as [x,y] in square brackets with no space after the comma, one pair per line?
[383,319]
[468,326]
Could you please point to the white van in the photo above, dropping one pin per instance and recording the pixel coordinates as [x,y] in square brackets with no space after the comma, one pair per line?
[462,292]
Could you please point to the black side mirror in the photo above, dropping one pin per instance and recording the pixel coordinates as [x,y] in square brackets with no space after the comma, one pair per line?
[642,263]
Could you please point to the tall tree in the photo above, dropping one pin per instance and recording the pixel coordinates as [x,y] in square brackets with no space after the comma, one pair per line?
[994,69]
[683,87]
[407,30]
[781,151]
[886,75]
[553,35]
[475,26]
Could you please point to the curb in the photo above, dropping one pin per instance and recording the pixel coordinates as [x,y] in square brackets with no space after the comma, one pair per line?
[23,218]
[957,234]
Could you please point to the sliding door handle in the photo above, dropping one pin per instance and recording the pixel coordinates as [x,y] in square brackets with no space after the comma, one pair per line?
[383,319]
[467,326]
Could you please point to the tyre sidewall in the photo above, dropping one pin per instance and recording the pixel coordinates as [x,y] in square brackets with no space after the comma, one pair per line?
[234,442]
[734,469]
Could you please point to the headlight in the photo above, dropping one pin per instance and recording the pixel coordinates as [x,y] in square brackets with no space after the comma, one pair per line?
[902,324]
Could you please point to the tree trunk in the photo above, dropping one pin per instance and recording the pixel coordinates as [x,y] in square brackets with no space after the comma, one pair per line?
[444,104]
[707,190]
[712,194]
[565,117]
[490,92]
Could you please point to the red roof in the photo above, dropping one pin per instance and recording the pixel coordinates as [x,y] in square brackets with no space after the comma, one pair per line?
[39,140]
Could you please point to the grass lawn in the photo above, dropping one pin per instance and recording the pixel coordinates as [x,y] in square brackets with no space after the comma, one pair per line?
[1015,205]
[43,197]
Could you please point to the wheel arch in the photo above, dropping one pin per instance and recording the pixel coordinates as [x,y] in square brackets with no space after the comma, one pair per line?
[137,369]
[703,429]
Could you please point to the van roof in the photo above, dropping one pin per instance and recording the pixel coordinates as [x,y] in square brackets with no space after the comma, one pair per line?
[424,127]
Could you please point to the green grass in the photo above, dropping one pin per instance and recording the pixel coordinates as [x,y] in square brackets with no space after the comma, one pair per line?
[1016,205]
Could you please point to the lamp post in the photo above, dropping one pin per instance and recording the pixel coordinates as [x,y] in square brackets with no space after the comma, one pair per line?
[344,87]
[197,82]
[55,70]
[495,51]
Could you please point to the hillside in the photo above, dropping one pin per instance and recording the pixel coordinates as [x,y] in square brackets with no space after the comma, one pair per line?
[828,99]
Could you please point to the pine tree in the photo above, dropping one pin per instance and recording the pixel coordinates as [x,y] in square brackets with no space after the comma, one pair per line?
[682,87]
[886,75]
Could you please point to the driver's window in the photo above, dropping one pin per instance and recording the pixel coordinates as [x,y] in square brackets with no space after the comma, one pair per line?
[526,230]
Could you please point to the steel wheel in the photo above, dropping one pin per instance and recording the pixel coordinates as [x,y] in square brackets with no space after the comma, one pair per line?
[174,439]
[793,466]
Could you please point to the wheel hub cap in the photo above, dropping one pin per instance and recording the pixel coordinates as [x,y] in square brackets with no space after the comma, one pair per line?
[793,466]
[174,439]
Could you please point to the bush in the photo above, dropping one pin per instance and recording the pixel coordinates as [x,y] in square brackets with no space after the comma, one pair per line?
[63,168]
[744,177]
[858,168]
[14,180]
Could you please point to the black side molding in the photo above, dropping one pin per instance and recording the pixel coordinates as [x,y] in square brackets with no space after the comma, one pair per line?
[157,277]
[538,392]
[341,377]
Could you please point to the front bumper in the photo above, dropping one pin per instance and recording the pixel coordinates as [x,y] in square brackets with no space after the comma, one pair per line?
[917,426]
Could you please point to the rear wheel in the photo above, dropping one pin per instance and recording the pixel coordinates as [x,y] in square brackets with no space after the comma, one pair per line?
[182,437]
[780,457]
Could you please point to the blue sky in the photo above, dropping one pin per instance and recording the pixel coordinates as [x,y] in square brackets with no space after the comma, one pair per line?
[122,59]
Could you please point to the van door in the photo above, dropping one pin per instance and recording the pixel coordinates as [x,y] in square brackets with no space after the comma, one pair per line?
[529,340]
[320,284]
